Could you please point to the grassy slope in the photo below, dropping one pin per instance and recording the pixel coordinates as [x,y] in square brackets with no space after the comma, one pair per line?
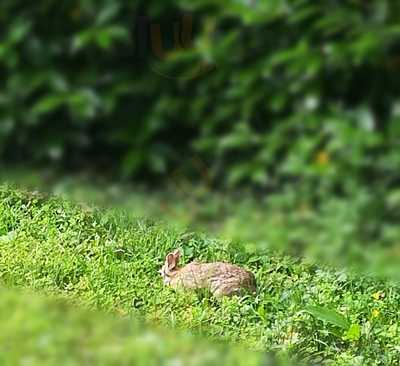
[336,231]
[45,331]
[110,262]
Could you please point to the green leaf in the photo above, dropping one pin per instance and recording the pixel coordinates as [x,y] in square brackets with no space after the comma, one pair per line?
[82,39]
[19,30]
[132,162]
[329,315]
[48,104]
[107,36]
[261,311]
[108,13]
[354,333]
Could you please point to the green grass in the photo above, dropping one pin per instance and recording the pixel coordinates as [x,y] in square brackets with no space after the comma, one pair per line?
[107,260]
[351,231]
[37,330]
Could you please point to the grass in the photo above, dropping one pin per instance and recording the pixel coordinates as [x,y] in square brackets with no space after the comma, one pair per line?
[38,330]
[108,261]
[333,230]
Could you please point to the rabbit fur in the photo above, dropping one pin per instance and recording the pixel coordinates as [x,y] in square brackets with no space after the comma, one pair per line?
[222,279]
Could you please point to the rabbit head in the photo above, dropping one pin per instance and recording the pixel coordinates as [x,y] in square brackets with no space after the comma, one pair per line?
[170,266]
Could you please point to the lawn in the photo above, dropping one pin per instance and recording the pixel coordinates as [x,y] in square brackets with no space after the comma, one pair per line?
[108,261]
[338,231]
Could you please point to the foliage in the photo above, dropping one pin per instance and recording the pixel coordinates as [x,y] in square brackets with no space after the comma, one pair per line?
[108,261]
[298,92]
[329,315]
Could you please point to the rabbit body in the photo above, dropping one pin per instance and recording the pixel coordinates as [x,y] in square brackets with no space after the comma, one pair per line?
[222,279]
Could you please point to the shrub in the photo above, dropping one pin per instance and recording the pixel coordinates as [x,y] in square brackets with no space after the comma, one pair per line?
[294,93]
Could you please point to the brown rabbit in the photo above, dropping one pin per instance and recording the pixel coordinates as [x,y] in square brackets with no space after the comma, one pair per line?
[222,279]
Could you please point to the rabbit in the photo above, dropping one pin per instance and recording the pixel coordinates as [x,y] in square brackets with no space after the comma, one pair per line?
[222,279]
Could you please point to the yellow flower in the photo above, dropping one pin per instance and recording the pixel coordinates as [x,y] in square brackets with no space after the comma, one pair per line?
[375,313]
[378,295]
[323,158]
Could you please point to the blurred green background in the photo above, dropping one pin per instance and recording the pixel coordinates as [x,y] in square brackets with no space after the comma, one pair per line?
[288,94]
[39,330]
[288,110]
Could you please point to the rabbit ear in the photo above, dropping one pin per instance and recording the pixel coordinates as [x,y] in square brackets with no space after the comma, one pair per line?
[172,259]
[177,254]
